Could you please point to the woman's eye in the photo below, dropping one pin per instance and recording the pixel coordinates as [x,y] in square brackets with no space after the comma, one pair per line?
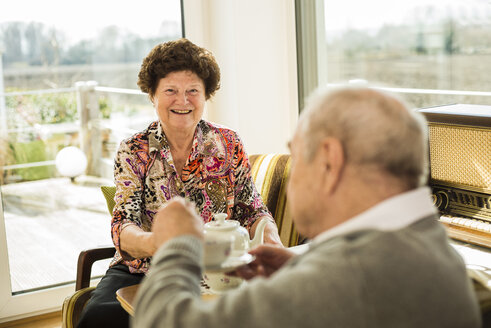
[193,91]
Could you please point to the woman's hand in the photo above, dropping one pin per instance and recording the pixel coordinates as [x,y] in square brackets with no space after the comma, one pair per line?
[271,235]
[136,243]
[178,217]
[268,260]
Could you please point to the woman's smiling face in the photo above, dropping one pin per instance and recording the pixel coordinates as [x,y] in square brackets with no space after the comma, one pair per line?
[179,100]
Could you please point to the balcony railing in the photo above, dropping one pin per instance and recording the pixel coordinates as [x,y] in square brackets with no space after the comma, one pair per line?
[88,126]
[420,91]
[90,123]
[63,216]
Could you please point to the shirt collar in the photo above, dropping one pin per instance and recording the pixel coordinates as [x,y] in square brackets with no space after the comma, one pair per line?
[207,141]
[391,214]
[156,137]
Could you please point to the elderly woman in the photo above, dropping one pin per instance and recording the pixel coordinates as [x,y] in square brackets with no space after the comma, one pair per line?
[179,155]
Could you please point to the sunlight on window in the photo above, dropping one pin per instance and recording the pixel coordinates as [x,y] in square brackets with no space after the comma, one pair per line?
[422,44]
[48,44]
[69,73]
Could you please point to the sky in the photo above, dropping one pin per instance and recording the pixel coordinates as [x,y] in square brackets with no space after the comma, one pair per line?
[84,19]
[361,14]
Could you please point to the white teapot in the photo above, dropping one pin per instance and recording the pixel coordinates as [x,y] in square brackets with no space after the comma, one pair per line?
[220,230]
[223,229]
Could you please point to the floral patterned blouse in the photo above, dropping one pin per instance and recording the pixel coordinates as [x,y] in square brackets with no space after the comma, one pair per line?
[216,176]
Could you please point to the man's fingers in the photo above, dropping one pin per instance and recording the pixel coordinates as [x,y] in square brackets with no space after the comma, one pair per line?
[177,217]
[264,250]
[246,272]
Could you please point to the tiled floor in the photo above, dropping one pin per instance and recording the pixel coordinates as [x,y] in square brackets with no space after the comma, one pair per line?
[48,222]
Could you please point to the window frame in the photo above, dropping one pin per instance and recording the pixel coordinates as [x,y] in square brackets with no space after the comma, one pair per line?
[310,33]
[46,299]
[16,306]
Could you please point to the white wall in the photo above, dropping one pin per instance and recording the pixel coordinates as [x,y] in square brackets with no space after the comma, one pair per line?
[254,44]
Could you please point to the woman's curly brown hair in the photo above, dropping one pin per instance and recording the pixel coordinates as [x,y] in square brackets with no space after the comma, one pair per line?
[178,55]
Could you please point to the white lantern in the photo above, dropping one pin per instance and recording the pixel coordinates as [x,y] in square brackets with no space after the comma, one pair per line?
[71,162]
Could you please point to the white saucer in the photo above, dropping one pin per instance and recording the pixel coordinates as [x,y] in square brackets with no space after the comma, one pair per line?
[231,263]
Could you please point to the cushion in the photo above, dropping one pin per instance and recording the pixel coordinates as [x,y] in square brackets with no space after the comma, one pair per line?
[109,192]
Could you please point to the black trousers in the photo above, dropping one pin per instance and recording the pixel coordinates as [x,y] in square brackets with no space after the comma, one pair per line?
[103,309]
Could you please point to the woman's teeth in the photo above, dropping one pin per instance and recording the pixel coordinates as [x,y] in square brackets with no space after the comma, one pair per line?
[180,111]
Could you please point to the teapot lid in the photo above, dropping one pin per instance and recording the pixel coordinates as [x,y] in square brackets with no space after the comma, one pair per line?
[221,224]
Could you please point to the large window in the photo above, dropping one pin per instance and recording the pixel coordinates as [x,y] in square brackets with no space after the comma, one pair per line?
[434,52]
[68,96]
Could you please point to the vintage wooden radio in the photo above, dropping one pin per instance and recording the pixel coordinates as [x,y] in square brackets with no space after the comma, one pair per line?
[460,169]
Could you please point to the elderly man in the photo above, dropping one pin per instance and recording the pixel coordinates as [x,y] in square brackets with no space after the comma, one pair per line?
[378,256]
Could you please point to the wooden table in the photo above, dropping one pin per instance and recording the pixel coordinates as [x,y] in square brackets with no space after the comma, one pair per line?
[126,296]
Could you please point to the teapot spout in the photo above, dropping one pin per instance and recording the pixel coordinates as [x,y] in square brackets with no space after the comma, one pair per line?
[259,234]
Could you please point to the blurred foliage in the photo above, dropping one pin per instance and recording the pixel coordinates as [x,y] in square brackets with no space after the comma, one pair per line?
[51,108]
[5,154]
[34,151]
[40,44]
[45,108]
[104,107]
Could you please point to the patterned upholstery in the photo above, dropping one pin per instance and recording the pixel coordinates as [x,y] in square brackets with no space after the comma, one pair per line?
[270,173]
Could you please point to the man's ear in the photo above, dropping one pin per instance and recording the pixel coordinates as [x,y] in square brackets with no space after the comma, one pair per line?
[332,159]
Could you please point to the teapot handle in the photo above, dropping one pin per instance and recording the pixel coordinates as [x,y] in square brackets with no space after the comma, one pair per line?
[259,234]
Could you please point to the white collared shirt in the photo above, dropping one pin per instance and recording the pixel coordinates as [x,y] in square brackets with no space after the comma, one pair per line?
[391,214]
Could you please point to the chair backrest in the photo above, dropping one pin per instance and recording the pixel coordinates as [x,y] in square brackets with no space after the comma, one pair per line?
[109,192]
[270,174]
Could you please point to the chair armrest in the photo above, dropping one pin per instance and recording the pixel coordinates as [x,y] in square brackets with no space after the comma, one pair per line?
[85,261]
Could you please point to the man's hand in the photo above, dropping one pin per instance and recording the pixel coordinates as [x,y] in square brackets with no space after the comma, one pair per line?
[268,260]
[177,217]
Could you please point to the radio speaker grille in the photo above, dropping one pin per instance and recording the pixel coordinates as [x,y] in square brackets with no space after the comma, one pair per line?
[460,155]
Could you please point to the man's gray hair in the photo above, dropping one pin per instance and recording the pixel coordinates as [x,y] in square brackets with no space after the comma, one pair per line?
[376,130]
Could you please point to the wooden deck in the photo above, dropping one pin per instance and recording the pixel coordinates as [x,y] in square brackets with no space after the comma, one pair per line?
[48,222]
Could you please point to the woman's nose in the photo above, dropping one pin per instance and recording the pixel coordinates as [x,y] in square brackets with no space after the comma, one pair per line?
[182,98]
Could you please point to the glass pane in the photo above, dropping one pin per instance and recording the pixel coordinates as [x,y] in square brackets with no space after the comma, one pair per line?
[68,96]
[421,44]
